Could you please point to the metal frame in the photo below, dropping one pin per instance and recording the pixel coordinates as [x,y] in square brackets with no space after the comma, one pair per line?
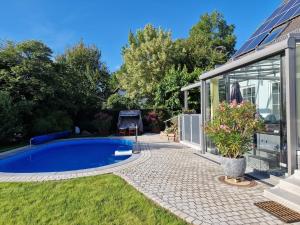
[291,114]
[186,95]
[287,46]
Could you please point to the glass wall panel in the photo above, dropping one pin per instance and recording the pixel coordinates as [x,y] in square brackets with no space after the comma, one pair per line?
[259,83]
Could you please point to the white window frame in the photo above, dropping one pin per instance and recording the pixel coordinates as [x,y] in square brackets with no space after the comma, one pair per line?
[249,97]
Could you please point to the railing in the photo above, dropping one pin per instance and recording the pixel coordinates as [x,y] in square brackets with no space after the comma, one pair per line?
[190,129]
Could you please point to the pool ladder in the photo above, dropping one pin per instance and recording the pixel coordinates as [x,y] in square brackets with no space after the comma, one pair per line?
[30,144]
[136,133]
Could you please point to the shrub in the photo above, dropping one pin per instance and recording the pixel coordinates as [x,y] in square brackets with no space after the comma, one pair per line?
[52,122]
[87,125]
[10,123]
[233,127]
[153,121]
[103,123]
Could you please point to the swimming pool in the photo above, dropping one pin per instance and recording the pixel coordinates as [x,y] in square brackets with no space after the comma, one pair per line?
[66,155]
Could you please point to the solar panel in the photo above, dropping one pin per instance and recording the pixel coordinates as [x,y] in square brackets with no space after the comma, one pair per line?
[273,35]
[281,15]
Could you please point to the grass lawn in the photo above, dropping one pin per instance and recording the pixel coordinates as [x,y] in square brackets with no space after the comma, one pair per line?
[104,199]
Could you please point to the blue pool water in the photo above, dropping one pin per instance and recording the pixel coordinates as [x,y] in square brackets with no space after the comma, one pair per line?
[66,155]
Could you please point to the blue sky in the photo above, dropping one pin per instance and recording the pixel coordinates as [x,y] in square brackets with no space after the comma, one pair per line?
[61,23]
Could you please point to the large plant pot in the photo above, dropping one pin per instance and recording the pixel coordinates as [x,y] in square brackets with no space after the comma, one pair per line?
[234,168]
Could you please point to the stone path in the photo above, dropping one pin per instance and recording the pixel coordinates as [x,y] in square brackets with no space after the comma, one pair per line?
[186,184]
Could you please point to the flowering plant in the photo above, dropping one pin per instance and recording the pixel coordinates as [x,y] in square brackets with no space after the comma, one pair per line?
[233,127]
[153,121]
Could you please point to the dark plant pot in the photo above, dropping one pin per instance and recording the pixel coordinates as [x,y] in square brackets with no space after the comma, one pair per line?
[234,168]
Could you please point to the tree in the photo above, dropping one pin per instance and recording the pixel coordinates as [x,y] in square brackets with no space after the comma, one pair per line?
[168,94]
[27,76]
[119,102]
[147,56]
[211,42]
[44,95]
[83,78]
[26,70]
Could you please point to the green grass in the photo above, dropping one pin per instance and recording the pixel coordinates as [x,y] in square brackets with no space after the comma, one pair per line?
[105,199]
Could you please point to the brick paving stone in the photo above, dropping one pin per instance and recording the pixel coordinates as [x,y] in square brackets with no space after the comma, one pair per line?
[188,184]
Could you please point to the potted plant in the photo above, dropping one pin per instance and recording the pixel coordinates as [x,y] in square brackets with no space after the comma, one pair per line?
[232,130]
[172,130]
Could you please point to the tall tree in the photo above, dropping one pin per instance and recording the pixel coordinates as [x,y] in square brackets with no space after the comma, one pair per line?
[84,78]
[27,76]
[26,69]
[211,42]
[147,56]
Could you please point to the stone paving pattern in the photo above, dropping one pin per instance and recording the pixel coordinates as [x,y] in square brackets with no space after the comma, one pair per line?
[186,184]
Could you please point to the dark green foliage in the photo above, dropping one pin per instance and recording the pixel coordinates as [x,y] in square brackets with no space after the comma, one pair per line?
[119,102]
[211,42]
[10,123]
[84,82]
[103,123]
[51,121]
[168,94]
[45,95]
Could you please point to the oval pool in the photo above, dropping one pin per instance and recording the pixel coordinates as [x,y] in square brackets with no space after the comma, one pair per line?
[66,155]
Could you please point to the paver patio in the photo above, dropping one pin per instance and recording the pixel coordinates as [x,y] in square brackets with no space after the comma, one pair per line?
[187,185]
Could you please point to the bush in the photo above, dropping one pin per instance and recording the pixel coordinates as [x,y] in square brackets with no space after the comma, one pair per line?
[153,121]
[233,127]
[87,125]
[103,123]
[52,122]
[10,123]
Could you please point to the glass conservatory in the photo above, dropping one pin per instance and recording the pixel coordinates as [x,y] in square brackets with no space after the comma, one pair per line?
[270,79]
